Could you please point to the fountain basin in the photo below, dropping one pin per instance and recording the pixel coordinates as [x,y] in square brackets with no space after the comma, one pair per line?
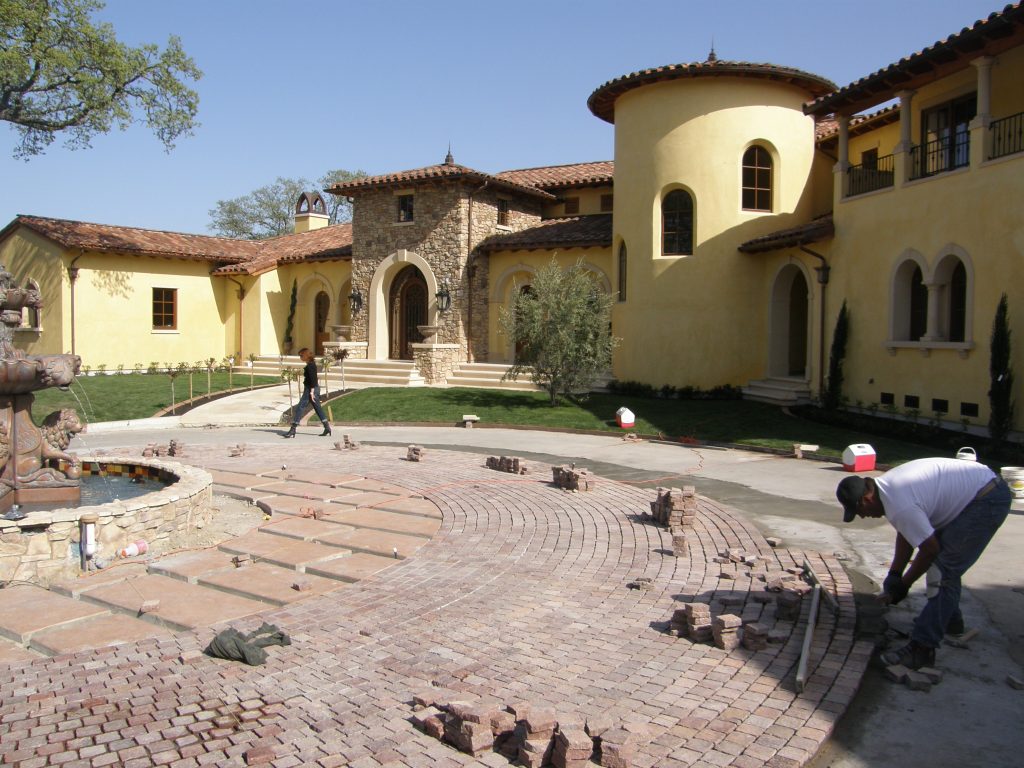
[44,546]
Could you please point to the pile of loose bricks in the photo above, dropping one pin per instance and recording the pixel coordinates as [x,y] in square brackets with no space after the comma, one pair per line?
[415,453]
[511,464]
[676,508]
[572,479]
[532,736]
[173,448]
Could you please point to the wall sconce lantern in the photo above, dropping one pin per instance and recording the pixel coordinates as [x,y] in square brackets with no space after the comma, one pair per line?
[444,298]
[355,301]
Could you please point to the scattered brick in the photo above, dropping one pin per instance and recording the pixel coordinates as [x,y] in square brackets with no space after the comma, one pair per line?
[415,453]
[572,479]
[511,464]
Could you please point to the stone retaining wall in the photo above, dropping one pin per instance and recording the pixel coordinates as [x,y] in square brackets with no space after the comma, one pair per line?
[44,547]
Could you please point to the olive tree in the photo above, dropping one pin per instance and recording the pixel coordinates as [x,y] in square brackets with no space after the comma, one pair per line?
[561,328]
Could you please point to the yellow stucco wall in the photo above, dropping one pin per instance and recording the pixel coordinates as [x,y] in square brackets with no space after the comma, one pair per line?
[590,202]
[701,319]
[274,295]
[26,256]
[511,270]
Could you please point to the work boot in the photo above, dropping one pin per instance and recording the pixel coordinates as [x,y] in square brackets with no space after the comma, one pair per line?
[290,432]
[327,430]
[955,626]
[912,656]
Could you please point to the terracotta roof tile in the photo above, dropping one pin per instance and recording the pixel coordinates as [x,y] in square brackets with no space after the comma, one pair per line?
[444,171]
[573,232]
[563,176]
[1000,31]
[602,100]
[149,242]
[827,130]
[812,231]
[235,256]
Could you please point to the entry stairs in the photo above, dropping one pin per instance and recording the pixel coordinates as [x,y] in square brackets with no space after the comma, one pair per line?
[783,391]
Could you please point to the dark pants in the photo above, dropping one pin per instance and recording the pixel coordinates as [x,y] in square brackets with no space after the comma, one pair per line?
[960,545]
[309,396]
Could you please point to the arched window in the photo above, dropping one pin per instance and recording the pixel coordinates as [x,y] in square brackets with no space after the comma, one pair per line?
[30,315]
[958,303]
[909,302]
[757,179]
[918,306]
[677,224]
[622,272]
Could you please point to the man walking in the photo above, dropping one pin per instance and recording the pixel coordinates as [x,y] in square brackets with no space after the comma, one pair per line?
[946,509]
[310,394]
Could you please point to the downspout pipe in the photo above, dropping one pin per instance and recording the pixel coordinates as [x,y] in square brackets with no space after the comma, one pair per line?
[241,296]
[73,278]
[469,273]
[823,272]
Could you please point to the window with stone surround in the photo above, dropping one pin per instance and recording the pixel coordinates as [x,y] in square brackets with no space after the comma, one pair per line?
[165,309]
[502,212]
[677,224]
[30,316]
[405,208]
[757,179]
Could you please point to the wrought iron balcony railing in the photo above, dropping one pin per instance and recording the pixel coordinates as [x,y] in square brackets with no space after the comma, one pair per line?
[940,155]
[1007,135]
[862,178]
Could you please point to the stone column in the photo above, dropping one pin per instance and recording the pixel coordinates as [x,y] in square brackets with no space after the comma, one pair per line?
[981,136]
[902,163]
[932,331]
[841,169]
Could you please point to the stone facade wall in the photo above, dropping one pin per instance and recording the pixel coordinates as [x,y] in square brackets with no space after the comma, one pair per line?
[44,547]
[436,362]
[440,235]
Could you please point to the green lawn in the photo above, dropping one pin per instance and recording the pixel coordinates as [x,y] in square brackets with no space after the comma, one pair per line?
[729,421]
[133,395]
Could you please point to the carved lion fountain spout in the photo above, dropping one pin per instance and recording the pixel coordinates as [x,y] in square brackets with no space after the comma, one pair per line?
[31,457]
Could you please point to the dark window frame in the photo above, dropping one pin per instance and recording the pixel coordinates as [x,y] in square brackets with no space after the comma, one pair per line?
[607,203]
[164,307]
[572,206]
[622,271]
[677,223]
[503,212]
[756,181]
[405,209]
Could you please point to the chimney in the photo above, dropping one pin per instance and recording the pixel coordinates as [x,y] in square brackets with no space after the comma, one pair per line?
[310,212]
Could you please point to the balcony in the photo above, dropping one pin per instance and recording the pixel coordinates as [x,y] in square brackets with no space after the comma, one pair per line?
[941,155]
[1006,136]
[867,177]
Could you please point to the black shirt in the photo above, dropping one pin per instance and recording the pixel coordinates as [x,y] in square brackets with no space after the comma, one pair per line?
[309,379]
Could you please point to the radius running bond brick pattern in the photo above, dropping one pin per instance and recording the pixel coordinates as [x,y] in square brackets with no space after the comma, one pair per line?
[521,596]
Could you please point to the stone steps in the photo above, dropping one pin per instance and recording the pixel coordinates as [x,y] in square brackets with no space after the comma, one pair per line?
[778,391]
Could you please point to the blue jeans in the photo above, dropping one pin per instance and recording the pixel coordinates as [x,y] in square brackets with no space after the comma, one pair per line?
[960,545]
[309,396]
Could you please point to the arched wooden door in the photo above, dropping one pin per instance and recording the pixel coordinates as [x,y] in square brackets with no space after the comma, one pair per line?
[323,309]
[408,310]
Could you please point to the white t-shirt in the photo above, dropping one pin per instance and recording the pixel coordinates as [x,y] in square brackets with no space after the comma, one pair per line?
[925,495]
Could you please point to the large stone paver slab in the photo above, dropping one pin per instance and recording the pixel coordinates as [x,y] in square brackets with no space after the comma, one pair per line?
[311,475]
[293,505]
[25,610]
[355,567]
[97,632]
[411,506]
[375,542]
[189,566]
[279,550]
[12,653]
[242,480]
[378,486]
[182,606]
[270,583]
[252,496]
[75,587]
[385,521]
[310,491]
[304,528]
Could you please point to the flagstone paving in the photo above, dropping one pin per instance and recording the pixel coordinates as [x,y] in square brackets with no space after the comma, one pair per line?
[522,594]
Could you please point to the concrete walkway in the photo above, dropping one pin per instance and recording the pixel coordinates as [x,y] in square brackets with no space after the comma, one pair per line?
[779,496]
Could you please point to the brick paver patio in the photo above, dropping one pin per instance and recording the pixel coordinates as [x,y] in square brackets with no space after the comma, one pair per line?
[522,596]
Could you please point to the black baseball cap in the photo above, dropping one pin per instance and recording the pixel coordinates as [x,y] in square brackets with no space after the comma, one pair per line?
[850,491]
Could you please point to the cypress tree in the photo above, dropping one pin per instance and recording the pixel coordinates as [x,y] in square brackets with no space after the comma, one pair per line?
[1000,419]
[833,395]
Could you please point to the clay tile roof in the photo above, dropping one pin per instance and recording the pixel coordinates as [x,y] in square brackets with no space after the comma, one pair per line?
[827,130]
[324,244]
[572,232]
[999,32]
[602,100]
[442,172]
[563,176]
[149,242]
[813,231]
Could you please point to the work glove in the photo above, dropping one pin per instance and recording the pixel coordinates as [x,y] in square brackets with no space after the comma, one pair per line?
[894,588]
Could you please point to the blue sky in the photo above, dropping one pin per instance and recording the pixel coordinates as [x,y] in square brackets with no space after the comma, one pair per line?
[295,89]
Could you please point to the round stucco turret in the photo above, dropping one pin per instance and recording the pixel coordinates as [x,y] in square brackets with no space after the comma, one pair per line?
[687,127]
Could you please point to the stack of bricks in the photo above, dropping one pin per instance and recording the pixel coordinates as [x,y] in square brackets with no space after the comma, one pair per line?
[535,734]
[468,727]
[755,636]
[415,453]
[787,604]
[176,448]
[572,479]
[725,630]
[511,464]
[617,748]
[698,622]
[350,444]
[674,507]
[573,748]
[679,625]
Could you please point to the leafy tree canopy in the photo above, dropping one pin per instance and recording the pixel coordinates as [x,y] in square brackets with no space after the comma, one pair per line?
[270,211]
[62,75]
[561,328]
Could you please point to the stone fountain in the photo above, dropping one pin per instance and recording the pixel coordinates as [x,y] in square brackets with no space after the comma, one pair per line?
[35,464]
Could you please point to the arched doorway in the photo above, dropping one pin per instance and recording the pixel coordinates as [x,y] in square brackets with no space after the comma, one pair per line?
[407,309]
[526,290]
[322,311]
[788,324]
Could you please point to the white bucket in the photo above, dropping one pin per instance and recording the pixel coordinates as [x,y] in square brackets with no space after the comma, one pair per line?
[1014,477]
[967,454]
